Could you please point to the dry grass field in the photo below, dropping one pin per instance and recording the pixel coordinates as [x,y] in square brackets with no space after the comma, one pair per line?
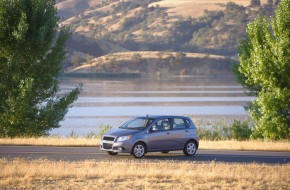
[44,174]
[185,8]
[210,145]
[195,8]
[51,141]
[253,145]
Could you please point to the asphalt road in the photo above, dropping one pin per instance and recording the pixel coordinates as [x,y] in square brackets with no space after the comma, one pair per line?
[93,153]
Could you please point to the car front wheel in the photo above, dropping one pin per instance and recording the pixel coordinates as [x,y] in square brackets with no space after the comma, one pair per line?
[139,150]
[190,148]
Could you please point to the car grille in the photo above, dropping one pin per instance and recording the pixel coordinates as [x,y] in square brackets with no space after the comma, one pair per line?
[108,138]
[107,146]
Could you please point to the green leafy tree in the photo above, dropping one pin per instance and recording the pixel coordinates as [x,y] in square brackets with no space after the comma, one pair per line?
[255,3]
[31,55]
[277,2]
[264,70]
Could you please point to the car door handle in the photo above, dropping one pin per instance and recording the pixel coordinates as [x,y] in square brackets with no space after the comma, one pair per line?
[186,131]
[168,133]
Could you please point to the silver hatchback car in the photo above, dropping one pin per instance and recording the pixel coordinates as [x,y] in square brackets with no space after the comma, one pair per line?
[152,134]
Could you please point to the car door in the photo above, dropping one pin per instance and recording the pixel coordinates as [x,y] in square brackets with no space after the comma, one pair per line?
[158,138]
[180,133]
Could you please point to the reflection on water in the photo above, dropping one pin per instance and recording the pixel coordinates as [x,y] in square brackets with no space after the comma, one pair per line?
[116,111]
[112,102]
[163,99]
[179,92]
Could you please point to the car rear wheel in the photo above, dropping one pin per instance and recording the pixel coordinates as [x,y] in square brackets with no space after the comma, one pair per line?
[190,148]
[139,150]
[112,153]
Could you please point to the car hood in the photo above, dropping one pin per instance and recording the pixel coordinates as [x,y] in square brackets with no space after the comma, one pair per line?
[122,132]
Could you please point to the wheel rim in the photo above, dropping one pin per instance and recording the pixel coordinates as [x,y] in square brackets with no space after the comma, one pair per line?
[191,148]
[139,150]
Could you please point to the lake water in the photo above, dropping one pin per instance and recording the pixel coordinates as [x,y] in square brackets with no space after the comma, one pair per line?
[114,101]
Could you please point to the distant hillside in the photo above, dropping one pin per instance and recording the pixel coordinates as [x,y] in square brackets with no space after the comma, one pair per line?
[157,64]
[102,27]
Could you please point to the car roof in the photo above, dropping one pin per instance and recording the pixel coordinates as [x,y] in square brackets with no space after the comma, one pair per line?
[165,116]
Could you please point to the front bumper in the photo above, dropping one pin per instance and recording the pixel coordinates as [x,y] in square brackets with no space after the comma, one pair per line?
[118,147]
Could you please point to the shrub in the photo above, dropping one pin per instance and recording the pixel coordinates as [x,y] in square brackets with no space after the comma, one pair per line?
[91,135]
[255,3]
[241,130]
[104,129]
[221,130]
[73,134]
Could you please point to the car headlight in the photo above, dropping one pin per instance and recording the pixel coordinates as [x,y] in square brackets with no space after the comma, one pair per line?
[124,138]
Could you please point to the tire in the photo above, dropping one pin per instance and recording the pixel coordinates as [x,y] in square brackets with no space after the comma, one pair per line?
[139,150]
[112,153]
[190,148]
[164,152]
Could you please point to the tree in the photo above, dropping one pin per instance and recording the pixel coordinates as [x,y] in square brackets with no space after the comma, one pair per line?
[264,70]
[277,2]
[180,57]
[255,3]
[31,54]
[270,2]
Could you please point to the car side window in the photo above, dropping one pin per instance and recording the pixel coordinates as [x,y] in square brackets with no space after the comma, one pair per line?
[161,125]
[188,123]
[179,123]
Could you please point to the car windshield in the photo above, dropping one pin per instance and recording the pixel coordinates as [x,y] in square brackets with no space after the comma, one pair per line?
[138,123]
